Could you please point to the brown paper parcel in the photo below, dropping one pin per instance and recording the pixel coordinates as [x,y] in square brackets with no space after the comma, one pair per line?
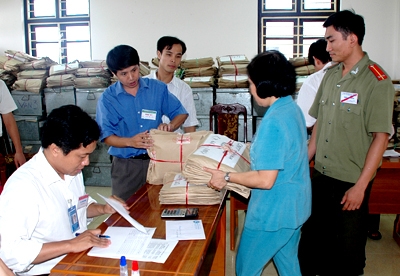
[218,152]
[176,190]
[170,151]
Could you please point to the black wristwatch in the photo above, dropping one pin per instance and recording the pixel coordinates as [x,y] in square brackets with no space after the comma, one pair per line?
[227,177]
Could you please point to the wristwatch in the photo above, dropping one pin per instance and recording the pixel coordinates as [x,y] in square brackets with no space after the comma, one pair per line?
[227,177]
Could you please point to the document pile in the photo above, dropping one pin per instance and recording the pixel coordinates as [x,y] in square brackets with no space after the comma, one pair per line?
[176,190]
[218,152]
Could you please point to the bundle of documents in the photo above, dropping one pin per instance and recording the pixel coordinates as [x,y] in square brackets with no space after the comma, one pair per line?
[200,82]
[9,63]
[232,59]
[60,69]
[197,62]
[233,69]
[91,82]
[218,152]
[233,82]
[32,74]
[200,71]
[299,61]
[170,151]
[60,80]
[176,190]
[23,57]
[305,70]
[93,72]
[30,85]
[93,64]
[43,63]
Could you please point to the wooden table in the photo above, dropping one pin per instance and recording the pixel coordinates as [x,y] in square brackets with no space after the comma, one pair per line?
[385,193]
[201,257]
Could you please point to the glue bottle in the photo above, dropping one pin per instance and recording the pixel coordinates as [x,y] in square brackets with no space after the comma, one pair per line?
[135,269]
[123,268]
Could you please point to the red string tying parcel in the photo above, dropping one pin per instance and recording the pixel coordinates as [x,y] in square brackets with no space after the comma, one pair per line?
[227,149]
[66,67]
[180,140]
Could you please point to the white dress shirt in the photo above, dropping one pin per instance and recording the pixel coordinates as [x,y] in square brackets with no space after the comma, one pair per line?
[185,95]
[307,93]
[34,210]
[7,103]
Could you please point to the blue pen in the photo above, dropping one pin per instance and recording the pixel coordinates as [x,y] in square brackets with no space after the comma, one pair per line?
[99,236]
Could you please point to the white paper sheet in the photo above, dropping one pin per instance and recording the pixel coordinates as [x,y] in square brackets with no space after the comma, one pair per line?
[123,212]
[184,230]
[391,153]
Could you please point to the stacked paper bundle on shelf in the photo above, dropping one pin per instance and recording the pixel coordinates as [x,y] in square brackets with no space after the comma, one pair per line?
[232,71]
[92,74]
[62,75]
[176,190]
[170,151]
[218,152]
[302,66]
[199,72]
[200,82]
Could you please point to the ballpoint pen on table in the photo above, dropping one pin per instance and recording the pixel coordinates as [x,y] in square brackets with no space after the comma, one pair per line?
[99,236]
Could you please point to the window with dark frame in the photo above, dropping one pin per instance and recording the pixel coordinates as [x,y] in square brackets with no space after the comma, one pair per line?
[290,26]
[58,29]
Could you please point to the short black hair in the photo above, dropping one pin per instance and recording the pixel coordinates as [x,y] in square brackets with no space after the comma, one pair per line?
[121,57]
[347,22]
[168,42]
[272,74]
[318,49]
[69,127]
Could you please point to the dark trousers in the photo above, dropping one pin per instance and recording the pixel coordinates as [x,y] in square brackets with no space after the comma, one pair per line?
[332,240]
[127,176]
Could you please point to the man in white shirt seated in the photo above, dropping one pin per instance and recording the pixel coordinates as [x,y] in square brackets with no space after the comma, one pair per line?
[319,57]
[169,52]
[44,205]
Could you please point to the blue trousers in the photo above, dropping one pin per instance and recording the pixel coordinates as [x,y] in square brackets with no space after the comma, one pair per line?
[257,248]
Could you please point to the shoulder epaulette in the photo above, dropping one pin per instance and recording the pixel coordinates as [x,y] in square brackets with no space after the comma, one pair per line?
[377,71]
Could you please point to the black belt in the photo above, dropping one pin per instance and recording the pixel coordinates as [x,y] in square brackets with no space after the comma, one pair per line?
[143,156]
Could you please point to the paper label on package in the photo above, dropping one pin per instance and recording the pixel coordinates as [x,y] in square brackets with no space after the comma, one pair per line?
[215,147]
[199,79]
[183,139]
[234,78]
[179,181]
[232,58]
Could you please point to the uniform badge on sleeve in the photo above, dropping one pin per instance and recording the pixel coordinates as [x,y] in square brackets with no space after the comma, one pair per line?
[378,72]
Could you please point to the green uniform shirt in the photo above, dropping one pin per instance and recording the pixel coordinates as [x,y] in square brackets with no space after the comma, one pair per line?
[346,121]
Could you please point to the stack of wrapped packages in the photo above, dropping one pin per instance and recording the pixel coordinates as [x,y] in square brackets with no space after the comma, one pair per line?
[232,71]
[9,67]
[168,157]
[33,74]
[302,66]
[197,73]
[62,75]
[177,161]
[92,74]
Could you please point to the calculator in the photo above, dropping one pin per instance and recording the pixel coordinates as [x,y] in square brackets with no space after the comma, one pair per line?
[180,213]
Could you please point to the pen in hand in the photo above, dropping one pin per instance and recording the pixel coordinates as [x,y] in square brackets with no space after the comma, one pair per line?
[99,236]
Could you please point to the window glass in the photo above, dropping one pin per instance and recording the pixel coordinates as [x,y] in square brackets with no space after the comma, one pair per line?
[317,4]
[51,50]
[278,4]
[283,46]
[44,34]
[44,8]
[77,33]
[78,51]
[279,29]
[77,7]
[313,29]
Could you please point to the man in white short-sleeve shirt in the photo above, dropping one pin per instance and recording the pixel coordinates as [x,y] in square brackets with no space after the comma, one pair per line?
[169,52]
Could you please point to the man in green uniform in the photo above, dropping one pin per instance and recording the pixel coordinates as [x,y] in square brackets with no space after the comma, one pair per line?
[353,108]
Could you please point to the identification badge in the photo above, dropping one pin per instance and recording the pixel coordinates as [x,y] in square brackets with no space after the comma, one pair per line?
[149,114]
[348,97]
[83,201]
[73,218]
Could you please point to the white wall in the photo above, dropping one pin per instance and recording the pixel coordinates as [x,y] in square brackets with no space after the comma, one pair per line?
[208,27]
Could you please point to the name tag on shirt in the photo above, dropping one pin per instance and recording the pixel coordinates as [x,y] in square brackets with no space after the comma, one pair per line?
[73,219]
[348,97]
[83,201]
[149,114]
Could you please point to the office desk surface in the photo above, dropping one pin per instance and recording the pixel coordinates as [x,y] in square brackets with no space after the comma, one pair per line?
[195,257]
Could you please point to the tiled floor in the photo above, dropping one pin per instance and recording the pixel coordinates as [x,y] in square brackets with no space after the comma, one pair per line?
[383,256]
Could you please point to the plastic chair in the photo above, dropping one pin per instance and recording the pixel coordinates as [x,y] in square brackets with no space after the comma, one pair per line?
[224,119]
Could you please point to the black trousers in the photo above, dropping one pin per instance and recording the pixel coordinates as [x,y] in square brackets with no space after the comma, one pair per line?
[332,240]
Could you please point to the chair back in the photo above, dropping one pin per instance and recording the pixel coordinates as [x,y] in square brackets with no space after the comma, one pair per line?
[224,120]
